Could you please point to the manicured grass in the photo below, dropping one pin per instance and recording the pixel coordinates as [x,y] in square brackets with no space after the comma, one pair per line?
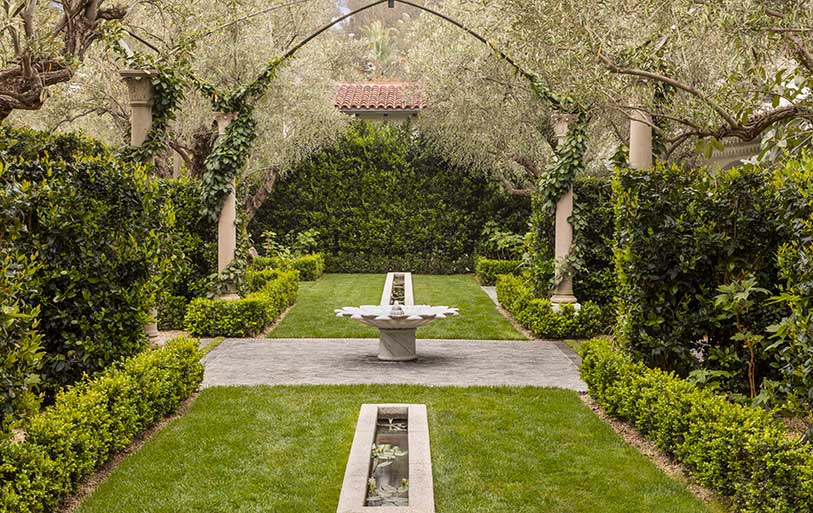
[284,450]
[313,316]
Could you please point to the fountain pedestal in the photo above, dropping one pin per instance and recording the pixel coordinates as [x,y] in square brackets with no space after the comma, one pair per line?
[397,321]
[396,345]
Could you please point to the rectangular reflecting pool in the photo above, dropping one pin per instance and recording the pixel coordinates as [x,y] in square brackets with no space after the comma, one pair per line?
[389,468]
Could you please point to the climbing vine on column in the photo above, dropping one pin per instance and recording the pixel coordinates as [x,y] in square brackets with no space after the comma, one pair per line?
[168,93]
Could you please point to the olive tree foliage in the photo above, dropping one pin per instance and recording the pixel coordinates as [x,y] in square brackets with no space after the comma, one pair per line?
[707,72]
[41,44]
[479,112]
[226,44]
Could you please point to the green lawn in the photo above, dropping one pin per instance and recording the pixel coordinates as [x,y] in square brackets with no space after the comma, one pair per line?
[313,315]
[284,450]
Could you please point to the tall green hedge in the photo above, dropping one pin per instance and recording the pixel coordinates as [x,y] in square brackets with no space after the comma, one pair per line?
[794,182]
[680,234]
[381,196]
[95,224]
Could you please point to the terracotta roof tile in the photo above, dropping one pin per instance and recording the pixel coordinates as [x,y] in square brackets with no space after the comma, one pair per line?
[379,96]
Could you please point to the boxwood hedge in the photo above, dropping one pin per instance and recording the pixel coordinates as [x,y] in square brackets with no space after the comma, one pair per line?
[740,452]
[515,295]
[248,316]
[91,421]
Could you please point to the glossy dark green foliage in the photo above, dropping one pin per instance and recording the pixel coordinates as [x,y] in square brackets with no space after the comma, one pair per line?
[793,337]
[488,269]
[681,234]
[95,224]
[381,196]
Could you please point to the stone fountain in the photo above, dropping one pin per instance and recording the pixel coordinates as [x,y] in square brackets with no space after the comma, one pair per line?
[397,317]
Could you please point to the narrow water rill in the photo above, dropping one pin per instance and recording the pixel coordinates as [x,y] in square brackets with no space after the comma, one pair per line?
[389,468]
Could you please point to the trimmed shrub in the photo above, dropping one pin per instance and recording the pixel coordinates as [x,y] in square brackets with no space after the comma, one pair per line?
[740,452]
[96,225]
[310,267]
[381,194]
[680,235]
[245,317]
[171,312]
[91,421]
[254,280]
[537,315]
[488,269]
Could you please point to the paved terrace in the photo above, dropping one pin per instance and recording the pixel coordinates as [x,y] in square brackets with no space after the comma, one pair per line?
[353,361]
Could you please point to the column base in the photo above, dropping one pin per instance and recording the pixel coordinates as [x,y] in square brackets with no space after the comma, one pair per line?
[396,345]
[151,328]
[557,302]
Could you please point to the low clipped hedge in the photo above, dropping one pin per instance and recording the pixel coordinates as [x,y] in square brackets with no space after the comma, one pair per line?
[740,452]
[245,317]
[536,314]
[488,269]
[91,421]
[310,267]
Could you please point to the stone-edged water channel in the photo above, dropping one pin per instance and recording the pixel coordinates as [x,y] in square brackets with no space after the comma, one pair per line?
[390,466]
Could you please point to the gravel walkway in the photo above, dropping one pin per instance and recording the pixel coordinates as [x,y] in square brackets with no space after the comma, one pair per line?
[353,361]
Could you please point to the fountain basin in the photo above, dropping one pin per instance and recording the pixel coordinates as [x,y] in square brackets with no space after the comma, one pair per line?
[397,321]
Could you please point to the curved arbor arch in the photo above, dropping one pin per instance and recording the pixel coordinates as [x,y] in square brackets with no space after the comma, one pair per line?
[238,132]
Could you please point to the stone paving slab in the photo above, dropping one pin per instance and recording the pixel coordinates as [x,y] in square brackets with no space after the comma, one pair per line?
[353,361]
[491,292]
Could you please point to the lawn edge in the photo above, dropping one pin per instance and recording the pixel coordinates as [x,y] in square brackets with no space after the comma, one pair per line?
[89,485]
[667,465]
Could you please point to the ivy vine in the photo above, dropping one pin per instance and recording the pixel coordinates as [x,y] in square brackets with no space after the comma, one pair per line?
[168,93]
[232,150]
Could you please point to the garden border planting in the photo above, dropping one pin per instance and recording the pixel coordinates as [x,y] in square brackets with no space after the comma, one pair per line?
[738,451]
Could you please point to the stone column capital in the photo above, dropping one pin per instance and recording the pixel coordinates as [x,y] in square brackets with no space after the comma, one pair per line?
[223,120]
[139,86]
[561,124]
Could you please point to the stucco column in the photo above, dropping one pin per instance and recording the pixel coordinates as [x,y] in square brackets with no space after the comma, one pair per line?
[227,221]
[563,292]
[139,87]
[140,92]
[640,140]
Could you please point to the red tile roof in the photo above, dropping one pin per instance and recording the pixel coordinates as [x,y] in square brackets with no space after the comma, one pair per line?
[379,96]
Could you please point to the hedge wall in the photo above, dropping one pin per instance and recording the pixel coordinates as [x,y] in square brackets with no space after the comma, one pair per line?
[381,197]
[681,234]
[90,422]
[95,224]
[794,183]
[739,452]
